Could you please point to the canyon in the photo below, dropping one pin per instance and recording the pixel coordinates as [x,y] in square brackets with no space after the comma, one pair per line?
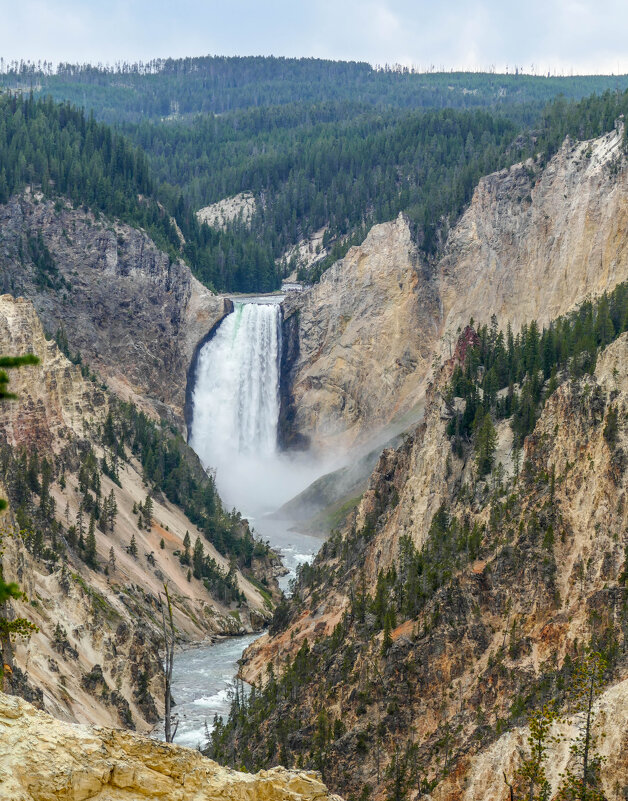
[367,354]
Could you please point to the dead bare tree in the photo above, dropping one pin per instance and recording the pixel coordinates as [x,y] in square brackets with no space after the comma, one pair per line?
[167,624]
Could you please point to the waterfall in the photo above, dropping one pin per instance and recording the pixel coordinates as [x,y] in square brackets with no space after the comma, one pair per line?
[236,397]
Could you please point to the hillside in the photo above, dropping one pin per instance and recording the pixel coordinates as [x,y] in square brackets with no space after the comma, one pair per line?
[453,604]
[113,300]
[77,465]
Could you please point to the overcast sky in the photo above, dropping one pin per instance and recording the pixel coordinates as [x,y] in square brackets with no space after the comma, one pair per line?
[537,35]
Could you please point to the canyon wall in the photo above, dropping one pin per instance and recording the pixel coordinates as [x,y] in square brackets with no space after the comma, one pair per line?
[435,702]
[134,314]
[533,243]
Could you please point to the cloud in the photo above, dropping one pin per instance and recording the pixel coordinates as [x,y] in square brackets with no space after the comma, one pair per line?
[472,34]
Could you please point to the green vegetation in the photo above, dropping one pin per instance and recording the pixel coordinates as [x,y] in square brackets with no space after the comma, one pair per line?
[342,167]
[222,84]
[55,147]
[319,144]
[509,376]
[170,468]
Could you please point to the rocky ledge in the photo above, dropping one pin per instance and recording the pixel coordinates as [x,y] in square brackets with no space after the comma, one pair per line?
[42,758]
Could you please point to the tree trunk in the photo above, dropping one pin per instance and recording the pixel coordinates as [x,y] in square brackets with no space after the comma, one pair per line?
[170,730]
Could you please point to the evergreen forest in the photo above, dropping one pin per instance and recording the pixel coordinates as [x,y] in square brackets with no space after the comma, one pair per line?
[322,146]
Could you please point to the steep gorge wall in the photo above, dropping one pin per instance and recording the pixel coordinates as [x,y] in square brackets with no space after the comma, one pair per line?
[531,245]
[134,314]
[496,634]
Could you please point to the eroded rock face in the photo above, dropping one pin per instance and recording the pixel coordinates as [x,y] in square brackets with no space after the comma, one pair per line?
[133,313]
[495,639]
[357,341]
[43,759]
[530,246]
[218,215]
[55,399]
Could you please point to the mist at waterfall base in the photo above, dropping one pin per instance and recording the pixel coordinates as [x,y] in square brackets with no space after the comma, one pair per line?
[235,415]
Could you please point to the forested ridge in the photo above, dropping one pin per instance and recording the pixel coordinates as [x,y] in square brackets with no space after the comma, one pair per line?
[321,145]
[219,84]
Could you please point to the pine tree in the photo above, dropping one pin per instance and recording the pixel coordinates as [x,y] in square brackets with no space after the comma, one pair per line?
[133,547]
[485,445]
[148,512]
[112,511]
[90,544]
[586,684]
[112,560]
[185,559]
[198,557]
[530,780]
[80,527]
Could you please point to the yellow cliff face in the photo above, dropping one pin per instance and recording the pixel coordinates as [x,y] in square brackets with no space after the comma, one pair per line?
[44,759]
[532,244]
[365,334]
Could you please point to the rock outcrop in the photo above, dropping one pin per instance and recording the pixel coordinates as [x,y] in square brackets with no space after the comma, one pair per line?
[43,759]
[239,207]
[134,314]
[531,245]
[356,342]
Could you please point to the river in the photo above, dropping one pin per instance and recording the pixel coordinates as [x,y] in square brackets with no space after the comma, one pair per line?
[234,432]
[203,676]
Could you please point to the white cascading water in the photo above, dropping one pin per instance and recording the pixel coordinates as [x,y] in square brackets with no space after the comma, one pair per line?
[234,430]
[236,397]
[236,409]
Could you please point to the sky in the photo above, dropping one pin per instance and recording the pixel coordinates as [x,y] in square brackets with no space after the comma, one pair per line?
[540,36]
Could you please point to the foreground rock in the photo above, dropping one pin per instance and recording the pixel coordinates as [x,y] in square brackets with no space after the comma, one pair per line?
[43,759]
